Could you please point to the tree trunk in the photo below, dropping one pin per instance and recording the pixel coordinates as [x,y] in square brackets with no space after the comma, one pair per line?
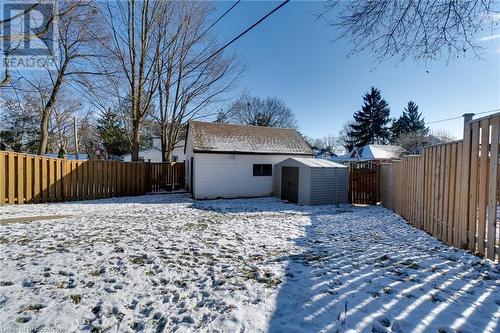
[136,136]
[164,143]
[44,132]
[44,126]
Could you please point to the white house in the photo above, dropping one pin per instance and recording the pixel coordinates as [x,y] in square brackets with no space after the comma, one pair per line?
[153,154]
[230,161]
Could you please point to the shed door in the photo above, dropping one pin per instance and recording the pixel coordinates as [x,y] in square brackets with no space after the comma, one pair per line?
[290,184]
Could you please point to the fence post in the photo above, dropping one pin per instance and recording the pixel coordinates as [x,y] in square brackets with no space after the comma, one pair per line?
[464,188]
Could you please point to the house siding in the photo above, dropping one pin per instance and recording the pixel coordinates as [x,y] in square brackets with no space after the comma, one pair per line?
[154,154]
[219,175]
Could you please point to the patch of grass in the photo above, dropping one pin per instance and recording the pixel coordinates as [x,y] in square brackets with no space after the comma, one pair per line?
[24,241]
[32,307]
[22,320]
[95,273]
[136,260]
[76,298]
[312,258]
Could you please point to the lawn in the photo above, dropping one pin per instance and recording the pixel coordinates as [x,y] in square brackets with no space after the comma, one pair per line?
[168,263]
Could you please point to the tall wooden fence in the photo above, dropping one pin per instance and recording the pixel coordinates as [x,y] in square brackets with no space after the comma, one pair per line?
[452,190]
[37,179]
[165,176]
[363,183]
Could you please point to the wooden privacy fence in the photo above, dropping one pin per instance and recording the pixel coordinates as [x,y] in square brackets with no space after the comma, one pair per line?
[165,176]
[452,190]
[37,179]
[363,183]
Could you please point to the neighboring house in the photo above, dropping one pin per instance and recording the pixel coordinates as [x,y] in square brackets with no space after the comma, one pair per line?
[376,153]
[81,157]
[153,154]
[230,161]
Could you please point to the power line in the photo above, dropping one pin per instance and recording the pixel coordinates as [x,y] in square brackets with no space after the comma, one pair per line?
[220,18]
[459,117]
[243,33]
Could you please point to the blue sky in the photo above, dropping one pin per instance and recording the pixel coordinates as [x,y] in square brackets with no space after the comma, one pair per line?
[291,56]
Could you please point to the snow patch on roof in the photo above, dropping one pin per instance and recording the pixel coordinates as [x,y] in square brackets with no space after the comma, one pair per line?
[216,137]
[317,163]
[380,152]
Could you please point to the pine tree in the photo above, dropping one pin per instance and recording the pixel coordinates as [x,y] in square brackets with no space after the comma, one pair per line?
[112,133]
[410,122]
[371,121]
[19,128]
[416,123]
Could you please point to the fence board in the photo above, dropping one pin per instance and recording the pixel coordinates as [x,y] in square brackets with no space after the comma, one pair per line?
[451,194]
[36,180]
[11,179]
[3,175]
[29,179]
[472,218]
[483,184]
[492,190]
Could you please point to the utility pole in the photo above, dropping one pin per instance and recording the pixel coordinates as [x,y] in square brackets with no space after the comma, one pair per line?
[76,138]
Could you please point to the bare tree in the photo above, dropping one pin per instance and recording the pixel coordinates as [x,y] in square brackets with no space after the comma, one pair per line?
[271,112]
[414,142]
[78,22]
[61,129]
[12,42]
[192,75]
[422,29]
[331,144]
[345,140]
[136,39]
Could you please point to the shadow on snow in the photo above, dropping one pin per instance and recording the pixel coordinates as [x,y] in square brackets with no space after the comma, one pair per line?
[366,269]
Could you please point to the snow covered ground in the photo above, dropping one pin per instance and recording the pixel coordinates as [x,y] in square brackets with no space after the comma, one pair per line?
[168,263]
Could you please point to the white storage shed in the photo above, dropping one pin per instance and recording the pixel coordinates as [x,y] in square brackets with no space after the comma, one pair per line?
[309,181]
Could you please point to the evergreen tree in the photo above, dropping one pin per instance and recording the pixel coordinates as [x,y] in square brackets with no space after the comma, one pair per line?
[19,128]
[416,123]
[113,134]
[410,122]
[370,122]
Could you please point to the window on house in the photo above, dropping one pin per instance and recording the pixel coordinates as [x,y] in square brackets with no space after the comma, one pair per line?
[262,169]
[175,158]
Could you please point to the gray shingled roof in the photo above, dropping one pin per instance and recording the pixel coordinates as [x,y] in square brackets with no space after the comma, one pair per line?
[216,137]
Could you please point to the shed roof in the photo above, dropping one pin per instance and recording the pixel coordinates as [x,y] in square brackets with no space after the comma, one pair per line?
[229,138]
[316,162]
